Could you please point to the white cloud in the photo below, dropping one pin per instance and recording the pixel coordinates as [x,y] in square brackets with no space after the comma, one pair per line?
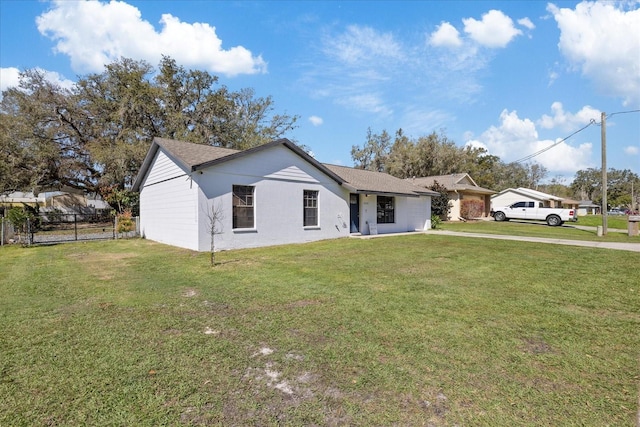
[9,77]
[632,150]
[93,34]
[526,22]
[418,120]
[516,138]
[316,121]
[494,30]
[553,76]
[370,103]
[568,121]
[361,43]
[602,40]
[445,35]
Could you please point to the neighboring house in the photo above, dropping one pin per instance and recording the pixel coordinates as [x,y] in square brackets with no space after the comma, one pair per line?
[20,199]
[587,207]
[75,202]
[460,186]
[513,195]
[68,201]
[570,204]
[268,195]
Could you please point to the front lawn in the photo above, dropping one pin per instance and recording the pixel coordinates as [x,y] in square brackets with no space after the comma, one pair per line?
[406,330]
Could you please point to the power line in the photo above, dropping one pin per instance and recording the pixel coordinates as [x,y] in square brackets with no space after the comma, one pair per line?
[591,122]
[537,153]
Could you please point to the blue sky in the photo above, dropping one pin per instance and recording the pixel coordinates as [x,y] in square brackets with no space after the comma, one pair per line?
[512,76]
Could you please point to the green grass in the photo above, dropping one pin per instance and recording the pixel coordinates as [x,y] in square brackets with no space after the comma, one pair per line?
[570,231]
[613,221]
[406,330]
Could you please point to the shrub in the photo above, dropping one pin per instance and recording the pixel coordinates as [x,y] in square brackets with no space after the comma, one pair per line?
[440,205]
[125,222]
[471,208]
[435,221]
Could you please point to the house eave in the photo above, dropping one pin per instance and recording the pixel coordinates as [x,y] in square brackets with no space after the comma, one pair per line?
[385,193]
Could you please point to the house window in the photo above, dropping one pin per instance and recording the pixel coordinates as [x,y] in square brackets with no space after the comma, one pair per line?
[385,210]
[243,214]
[310,203]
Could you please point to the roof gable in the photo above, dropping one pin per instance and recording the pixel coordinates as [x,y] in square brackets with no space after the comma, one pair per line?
[527,192]
[193,157]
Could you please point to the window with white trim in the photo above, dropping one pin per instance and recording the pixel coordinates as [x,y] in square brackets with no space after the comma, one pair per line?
[243,208]
[310,208]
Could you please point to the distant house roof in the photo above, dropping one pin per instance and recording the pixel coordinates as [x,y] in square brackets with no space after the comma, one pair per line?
[193,157]
[452,182]
[365,181]
[527,192]
[587,204]
[570,202]
[19,197]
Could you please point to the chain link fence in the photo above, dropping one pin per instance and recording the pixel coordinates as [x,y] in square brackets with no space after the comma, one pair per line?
[60,227]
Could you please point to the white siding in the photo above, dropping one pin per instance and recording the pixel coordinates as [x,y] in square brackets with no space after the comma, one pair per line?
[175,205]
[411,214]
[168,204]
[279,176]
[509,198]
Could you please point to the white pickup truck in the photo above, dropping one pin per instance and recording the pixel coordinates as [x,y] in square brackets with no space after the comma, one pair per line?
[534,211]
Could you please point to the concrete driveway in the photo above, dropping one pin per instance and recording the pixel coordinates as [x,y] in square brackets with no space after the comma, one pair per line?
[633,247]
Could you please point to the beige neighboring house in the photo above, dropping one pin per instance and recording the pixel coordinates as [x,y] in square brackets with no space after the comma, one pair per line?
[460,187]
[75,201]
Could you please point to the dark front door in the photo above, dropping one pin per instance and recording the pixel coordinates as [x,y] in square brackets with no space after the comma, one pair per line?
[354,202]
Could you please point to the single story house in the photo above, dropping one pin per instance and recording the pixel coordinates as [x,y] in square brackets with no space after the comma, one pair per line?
[512,195]
[268,195]
[67,201]
[75,202]
[19,198]
[460,186]
[587,207]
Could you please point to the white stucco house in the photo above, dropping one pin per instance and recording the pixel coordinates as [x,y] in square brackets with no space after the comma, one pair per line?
[268,195]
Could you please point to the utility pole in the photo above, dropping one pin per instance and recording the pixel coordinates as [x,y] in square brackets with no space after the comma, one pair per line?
[603,137]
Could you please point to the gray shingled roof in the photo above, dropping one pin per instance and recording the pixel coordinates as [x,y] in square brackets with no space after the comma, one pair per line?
[192,155]
[364,181]
[450,182]
[197,156]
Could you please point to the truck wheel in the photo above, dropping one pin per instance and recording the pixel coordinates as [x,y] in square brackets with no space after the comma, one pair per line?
[499,216]
[554,220]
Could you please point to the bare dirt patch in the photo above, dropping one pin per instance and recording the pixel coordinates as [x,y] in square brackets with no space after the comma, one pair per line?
[536,346]
[102,264]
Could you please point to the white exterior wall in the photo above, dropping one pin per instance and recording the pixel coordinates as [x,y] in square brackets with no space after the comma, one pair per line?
[410,214]
[510,198]
[279,176]
[168,204]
